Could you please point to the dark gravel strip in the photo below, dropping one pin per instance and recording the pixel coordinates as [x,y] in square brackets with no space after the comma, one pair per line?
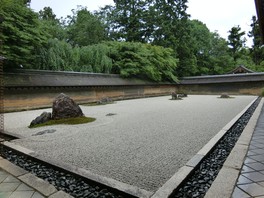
[75,186]
[201,179]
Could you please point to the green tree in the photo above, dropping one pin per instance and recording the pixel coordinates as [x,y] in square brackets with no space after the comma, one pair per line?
[173,30]
[20,33]
[95,58]
[58,56]
[201,45]
[51,25]
[257,50]
[143,61]
[236,41]
[220,58]
[84,28]
[127,20]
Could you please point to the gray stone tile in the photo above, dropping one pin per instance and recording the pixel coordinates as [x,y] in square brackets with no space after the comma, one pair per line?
[259,141]
[22,194]
[11,168]
[246,169]
[254,176]
[42,186]
[252,189]
[258,145]
[6,187]
[5,194]
[261,183]
[24,187]
[2,172]
[249,160]
[252,146]
[243,180]
[60,194]
[250,153]
[258,151]
[259,158]
[3,177]
[37,195]
[11,179]
[238,193]
[256,166]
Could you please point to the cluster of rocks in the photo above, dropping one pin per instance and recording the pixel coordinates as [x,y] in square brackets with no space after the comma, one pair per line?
[177,96]
[63,107]
[65,181]
[200,181]
[104,101]
[224,95]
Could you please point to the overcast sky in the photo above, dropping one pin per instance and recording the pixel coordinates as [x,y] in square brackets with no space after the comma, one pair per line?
[218,15]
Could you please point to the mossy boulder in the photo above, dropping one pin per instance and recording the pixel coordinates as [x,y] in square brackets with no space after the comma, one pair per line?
[65,107]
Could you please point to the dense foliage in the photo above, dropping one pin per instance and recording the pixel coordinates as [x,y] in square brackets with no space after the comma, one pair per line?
[149,39]
[20,33]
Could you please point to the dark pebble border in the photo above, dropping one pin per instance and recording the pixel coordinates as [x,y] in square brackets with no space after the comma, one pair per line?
[203,176]
[72,184]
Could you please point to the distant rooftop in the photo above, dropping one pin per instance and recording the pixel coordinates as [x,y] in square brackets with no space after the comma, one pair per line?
[241,69]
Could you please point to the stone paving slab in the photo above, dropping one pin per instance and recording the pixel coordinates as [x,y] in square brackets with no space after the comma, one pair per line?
[24,184]
[234,171]
[251,180]
[11,168]
[11,187]
[39,184]
[143,144]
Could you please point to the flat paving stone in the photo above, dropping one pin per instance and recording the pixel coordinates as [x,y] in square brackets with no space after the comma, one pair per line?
[37,195]
[60,194]
[254,176]
[40,185]
[251,179]
[253,189]
[8,187]
[243,180]
[23,187]
[22,194]
[5,194]
[256,166]
[238,193]
[11,179]
[3,177]
[143,145]
[246,169]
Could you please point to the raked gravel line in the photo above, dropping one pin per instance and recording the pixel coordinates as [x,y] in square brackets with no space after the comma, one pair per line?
[143,145]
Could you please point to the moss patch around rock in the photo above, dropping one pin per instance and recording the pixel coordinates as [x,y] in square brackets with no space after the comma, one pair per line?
[70,121]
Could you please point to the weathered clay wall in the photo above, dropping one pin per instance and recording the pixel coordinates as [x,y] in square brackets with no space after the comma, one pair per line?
[246,88]
[37,89]
[25,98]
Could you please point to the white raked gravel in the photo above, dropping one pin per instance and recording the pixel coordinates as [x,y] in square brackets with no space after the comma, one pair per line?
[144,144]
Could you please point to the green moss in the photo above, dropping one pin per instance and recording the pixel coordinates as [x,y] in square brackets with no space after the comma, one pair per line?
[230,97]
[71,121]
[262,92]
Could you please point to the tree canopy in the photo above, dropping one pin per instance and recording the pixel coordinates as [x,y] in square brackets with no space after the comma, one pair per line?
[154,40]
[20,32]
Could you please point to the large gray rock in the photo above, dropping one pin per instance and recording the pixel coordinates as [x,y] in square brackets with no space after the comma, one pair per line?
[64,107]
[44,117]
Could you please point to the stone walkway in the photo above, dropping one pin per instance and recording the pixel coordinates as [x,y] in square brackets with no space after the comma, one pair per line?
[251,180]
[11,187]
[15,182]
